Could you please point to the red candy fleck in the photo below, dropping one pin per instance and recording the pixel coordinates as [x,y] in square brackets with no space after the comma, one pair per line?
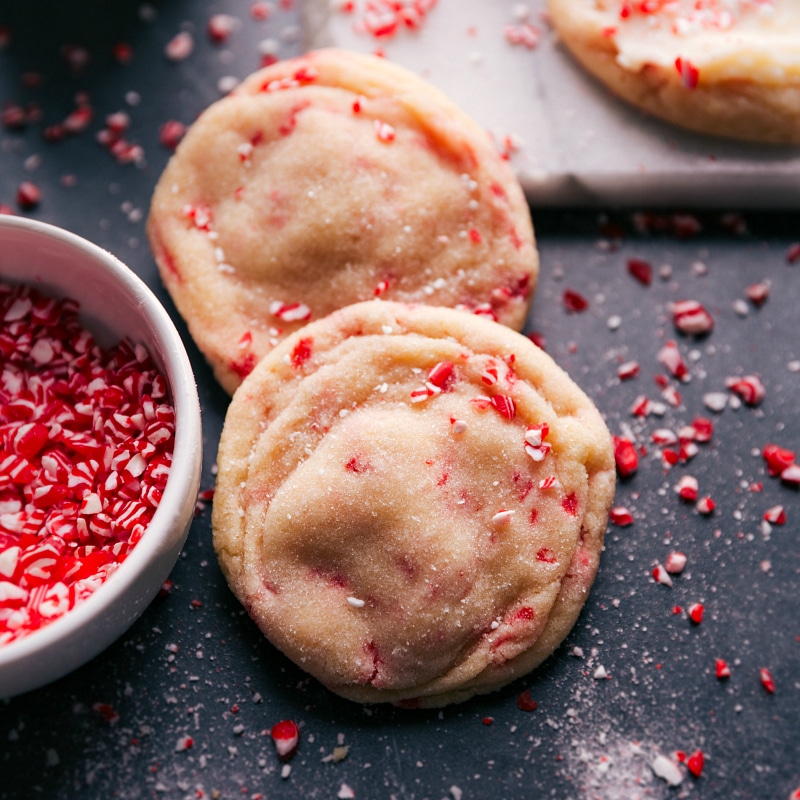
[171,133]
[574,302]
[695,762]
[758,293]
[220,27]
[670,357]
[504,406]
[570,504]
[660,575]
[696,613]
[180,47]
[525,701]
[705,506]
[28,195]
[286,736]
[384,131]
[702,429]
[691,318]
[749,389]
[107,712]
[721,669]
[625,456]
[687,488]
[441,373]
[690,75]
[290,312]
[538,338]
[767,680]
[621,516]
[778,458]
[793,253]
[776,515]
[302,352]
[546,555]
[86,441]
[534,444]
[675,562]
[641,270]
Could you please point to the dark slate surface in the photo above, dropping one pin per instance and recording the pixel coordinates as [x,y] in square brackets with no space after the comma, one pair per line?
[195,666]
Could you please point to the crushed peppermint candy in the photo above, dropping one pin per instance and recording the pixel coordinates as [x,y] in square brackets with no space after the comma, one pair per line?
[86,438]
[286,737]
[691,318]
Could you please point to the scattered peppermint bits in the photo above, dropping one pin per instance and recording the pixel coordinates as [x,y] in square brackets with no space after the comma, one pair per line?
[574,302]
[670,357]
[695,763]
[705,506]
[641,270]
[675,562]
[286,737]
[793,253]
[503,517]
[385,19]
[776,515]
[621,516]
[660,575]
[691,318]
[440,375]
[696,611]
[180,47]
[86,439]
[628,370]
[28,195]
[290,312]
[689,74]
[384,132]
[535,445]
[625,455]
[525,701]
[767,681]
[749,388]
[687,488]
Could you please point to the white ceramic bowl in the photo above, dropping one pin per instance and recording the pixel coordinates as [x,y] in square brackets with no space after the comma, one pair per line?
[114,303]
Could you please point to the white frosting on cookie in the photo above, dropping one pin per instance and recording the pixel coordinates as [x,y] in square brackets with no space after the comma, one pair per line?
[723,39]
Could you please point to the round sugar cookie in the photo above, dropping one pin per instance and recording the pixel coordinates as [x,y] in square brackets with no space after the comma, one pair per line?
[728,68]
[327,180]
[411,502]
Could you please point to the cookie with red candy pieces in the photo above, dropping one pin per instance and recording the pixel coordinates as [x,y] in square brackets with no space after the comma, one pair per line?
[411,502]
[728,68]
[326,180]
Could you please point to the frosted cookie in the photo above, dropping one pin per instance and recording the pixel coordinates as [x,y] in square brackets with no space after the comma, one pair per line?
[724,67]
[327,180]
[411,502]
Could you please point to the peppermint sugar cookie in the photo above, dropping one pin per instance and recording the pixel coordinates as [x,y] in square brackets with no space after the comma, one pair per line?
[411,502]
[724,67]
[326,180]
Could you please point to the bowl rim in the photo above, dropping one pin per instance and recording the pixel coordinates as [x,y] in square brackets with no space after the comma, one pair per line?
[186,465]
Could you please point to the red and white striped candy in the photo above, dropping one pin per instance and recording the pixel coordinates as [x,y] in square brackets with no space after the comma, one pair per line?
[670,357]
[749,389]
[691,318]
[687,488]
